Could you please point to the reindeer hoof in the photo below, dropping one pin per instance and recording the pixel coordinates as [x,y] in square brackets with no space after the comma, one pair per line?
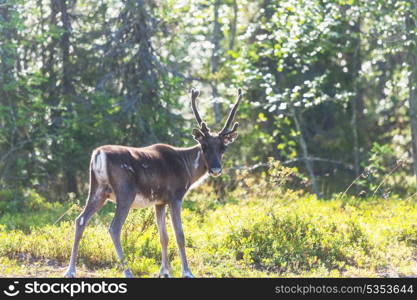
[187,275]
[164,275]
[69,274]
[128,273]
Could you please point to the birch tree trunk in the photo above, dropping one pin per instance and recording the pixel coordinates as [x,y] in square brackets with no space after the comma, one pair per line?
[413,108]
[306,156]
[215,60]
[412,84]
[357,101]
[233,26]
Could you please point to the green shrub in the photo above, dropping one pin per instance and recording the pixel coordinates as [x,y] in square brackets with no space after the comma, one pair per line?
[259,229]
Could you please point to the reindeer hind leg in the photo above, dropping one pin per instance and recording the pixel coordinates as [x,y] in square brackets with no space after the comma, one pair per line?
[95,201]
[124,200]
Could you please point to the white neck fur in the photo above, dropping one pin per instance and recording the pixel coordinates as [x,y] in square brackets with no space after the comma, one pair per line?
[196,160]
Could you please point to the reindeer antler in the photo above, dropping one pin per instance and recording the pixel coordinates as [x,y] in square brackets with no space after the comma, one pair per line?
[231,116]
[194,95]
[201,123]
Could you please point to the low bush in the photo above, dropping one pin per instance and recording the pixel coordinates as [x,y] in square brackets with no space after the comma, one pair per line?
[259,229]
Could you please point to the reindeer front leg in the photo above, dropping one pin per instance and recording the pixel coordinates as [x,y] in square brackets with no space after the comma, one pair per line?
[175,207]
[163,238]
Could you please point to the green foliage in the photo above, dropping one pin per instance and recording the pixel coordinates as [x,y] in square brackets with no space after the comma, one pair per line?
[27,209]
[326,82]
[383,173]
[98,78]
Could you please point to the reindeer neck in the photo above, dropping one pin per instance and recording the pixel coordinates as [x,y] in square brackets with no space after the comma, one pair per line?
[194,162]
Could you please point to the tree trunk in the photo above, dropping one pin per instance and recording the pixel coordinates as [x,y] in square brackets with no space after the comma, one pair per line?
[306,156]
[413,110]
[354,124]
[67,89]
[233,26]
[412,84]
[215,60]
[413,104]
[357,101]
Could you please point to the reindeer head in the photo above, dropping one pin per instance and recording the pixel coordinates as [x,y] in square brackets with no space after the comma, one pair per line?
[214,145]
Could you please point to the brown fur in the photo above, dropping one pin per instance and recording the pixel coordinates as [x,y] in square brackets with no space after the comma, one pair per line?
[158,172]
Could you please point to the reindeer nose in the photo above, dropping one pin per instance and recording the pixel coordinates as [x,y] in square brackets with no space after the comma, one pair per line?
[215,171]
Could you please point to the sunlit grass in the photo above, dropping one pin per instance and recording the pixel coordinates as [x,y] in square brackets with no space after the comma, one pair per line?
[261,233]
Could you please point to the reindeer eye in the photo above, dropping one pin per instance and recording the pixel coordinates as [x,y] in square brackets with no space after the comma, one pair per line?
[204,148]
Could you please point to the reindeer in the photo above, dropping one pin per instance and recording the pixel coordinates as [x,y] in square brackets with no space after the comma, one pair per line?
[157,175]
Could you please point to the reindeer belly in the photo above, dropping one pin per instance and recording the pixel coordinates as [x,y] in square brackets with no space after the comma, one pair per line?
[140,201]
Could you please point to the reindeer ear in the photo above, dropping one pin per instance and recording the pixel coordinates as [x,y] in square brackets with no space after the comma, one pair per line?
[197,135]
[229,137]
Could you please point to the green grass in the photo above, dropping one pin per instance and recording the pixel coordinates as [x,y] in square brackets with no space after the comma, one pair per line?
[258,230]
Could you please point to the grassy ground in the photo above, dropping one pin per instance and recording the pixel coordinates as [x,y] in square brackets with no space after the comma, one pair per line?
[258,230]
